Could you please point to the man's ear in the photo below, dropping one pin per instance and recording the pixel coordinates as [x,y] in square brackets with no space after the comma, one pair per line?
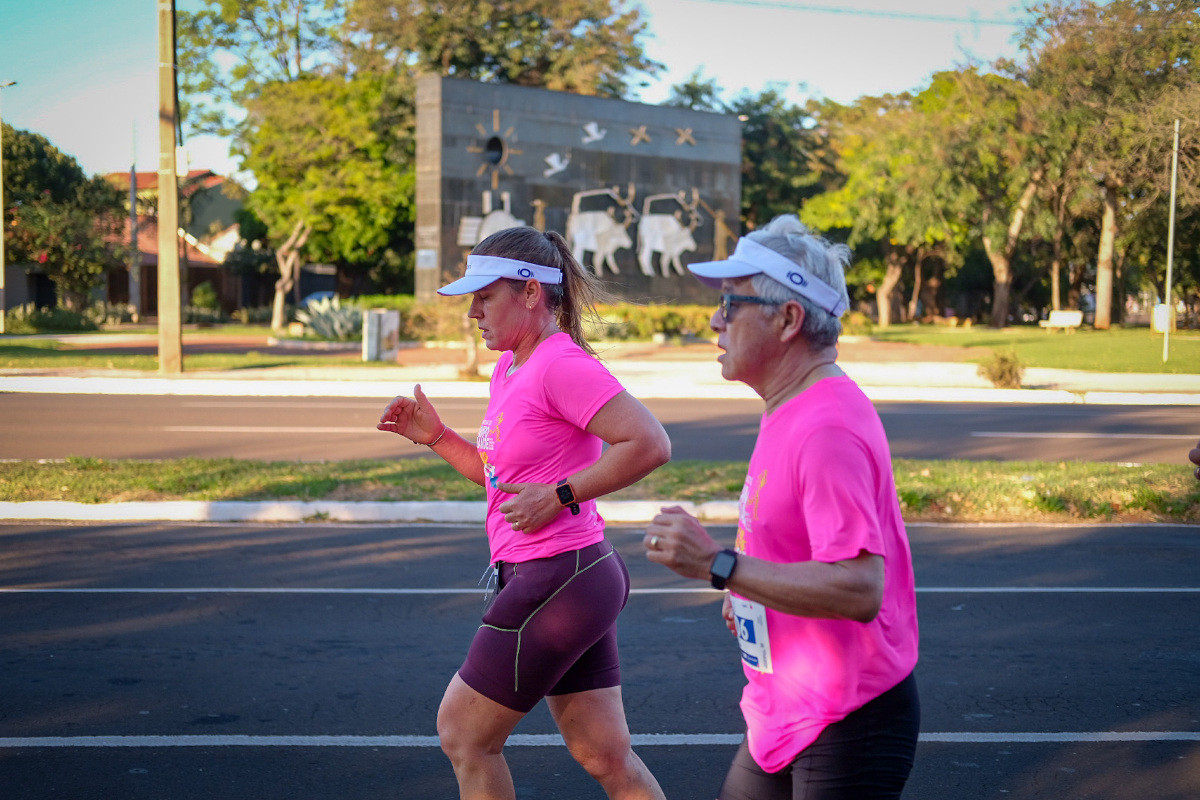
[791,318]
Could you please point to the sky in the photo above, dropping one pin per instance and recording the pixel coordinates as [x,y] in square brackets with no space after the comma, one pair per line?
[86,71]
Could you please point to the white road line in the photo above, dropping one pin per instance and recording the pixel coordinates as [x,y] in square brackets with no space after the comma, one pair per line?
[470,591]
[364,429]
[262,429]
[1171,437]
[554,740]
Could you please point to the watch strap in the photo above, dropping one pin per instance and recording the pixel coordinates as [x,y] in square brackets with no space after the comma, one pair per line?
[722,567]
[566,496]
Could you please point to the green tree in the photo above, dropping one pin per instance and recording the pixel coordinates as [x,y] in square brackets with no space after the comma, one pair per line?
[785,156]
[57,217]
[326,153]
[1112,65]
[229,50]
[987,126]
[590,47]
[891,199]
[696,93]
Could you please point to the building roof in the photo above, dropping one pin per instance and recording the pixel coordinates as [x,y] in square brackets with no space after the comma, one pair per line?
[194,181]
[195,252]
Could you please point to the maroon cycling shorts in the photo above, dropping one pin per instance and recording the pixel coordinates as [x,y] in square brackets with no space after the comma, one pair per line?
[552,628]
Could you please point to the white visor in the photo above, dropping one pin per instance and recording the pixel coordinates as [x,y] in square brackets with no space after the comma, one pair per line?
[751,258]
[485,270]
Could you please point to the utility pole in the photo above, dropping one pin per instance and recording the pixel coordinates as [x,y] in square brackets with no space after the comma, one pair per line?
[170,328]
[3,282]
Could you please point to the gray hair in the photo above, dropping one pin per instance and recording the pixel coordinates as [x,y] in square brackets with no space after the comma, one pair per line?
[824,260]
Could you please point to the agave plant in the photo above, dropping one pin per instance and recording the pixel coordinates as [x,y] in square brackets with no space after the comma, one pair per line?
[328,319]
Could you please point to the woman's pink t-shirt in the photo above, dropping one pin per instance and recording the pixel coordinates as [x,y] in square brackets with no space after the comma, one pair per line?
[820,487]
[534,431]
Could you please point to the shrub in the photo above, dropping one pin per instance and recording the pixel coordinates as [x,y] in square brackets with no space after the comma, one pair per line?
[1003,369]
[258,315]
[856,323]
[29,318]
[328,319]
[111,313]
[205,296]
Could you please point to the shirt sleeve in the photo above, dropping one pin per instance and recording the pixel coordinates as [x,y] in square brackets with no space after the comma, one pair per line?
[836,481]
[577,386]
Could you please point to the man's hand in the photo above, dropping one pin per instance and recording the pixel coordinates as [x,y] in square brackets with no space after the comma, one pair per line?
[680,543]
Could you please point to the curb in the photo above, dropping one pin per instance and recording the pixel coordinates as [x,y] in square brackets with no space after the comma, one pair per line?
[663,387]
[613,511]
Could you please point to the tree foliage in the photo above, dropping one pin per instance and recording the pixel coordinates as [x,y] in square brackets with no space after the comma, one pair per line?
[56,217]
[1112,68]
[318,99]
[589,47]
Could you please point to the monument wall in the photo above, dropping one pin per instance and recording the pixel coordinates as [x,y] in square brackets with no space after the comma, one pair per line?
[638,191]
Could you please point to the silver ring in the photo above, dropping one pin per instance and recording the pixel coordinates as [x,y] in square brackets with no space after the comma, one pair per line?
[653,542]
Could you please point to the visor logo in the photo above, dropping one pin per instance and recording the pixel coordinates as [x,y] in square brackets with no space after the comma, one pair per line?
[525,272]
[797,278]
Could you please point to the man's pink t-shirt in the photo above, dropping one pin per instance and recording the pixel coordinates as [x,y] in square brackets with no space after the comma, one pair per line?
[820,487]
[534,431]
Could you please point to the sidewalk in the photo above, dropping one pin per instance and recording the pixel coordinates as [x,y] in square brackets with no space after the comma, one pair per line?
[648,371]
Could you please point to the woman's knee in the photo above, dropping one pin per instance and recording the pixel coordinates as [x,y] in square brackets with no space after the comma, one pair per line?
[602,756]
[470,725]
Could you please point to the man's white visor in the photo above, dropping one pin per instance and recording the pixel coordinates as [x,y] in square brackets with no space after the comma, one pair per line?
[751,258]
[485,270]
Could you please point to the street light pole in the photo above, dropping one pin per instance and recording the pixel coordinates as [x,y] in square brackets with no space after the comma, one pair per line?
[1170,307]
[3,226]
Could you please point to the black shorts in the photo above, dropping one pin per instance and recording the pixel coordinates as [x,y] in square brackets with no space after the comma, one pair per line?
[866,756]
[552,628]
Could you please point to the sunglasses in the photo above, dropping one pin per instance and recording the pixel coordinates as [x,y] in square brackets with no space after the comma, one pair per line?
[729,300]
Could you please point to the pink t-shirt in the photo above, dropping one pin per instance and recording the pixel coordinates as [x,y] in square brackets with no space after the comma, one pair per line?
[820,487]
[534,431]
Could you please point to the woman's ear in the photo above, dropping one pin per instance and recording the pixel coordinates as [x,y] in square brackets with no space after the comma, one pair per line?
[533,293]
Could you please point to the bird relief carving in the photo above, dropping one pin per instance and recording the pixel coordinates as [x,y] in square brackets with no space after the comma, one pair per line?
[592,132]
[557,163]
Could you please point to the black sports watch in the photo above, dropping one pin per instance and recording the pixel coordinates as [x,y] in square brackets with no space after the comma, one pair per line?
[722,567]
[566,496]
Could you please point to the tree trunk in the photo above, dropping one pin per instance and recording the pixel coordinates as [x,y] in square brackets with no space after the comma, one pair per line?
[1001,259]
[931,293]
[1074,285]
[1104,262]
[1056,258]
[883,295]
[287,257]
[914,300]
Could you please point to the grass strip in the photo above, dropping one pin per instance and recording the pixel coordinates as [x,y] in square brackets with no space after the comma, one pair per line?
[963,491]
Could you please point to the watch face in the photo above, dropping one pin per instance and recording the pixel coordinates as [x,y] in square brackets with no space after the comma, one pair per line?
[565,495]
[722,565]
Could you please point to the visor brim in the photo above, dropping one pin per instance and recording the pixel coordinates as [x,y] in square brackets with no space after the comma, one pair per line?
[711,273]
[467,285]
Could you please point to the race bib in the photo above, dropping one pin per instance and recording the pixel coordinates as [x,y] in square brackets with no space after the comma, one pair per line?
[753,638]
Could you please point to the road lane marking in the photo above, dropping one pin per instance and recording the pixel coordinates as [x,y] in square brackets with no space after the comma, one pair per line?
[289,430]
[555,740]
[1172,437]
[646,591]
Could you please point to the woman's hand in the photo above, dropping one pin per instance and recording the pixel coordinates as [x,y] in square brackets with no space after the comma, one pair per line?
[412,417]
[532,506]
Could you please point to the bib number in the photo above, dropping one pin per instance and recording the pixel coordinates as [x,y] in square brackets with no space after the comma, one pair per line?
[753,637]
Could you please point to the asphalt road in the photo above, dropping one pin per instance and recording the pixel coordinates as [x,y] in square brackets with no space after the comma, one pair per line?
[331,428]
[306,662]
